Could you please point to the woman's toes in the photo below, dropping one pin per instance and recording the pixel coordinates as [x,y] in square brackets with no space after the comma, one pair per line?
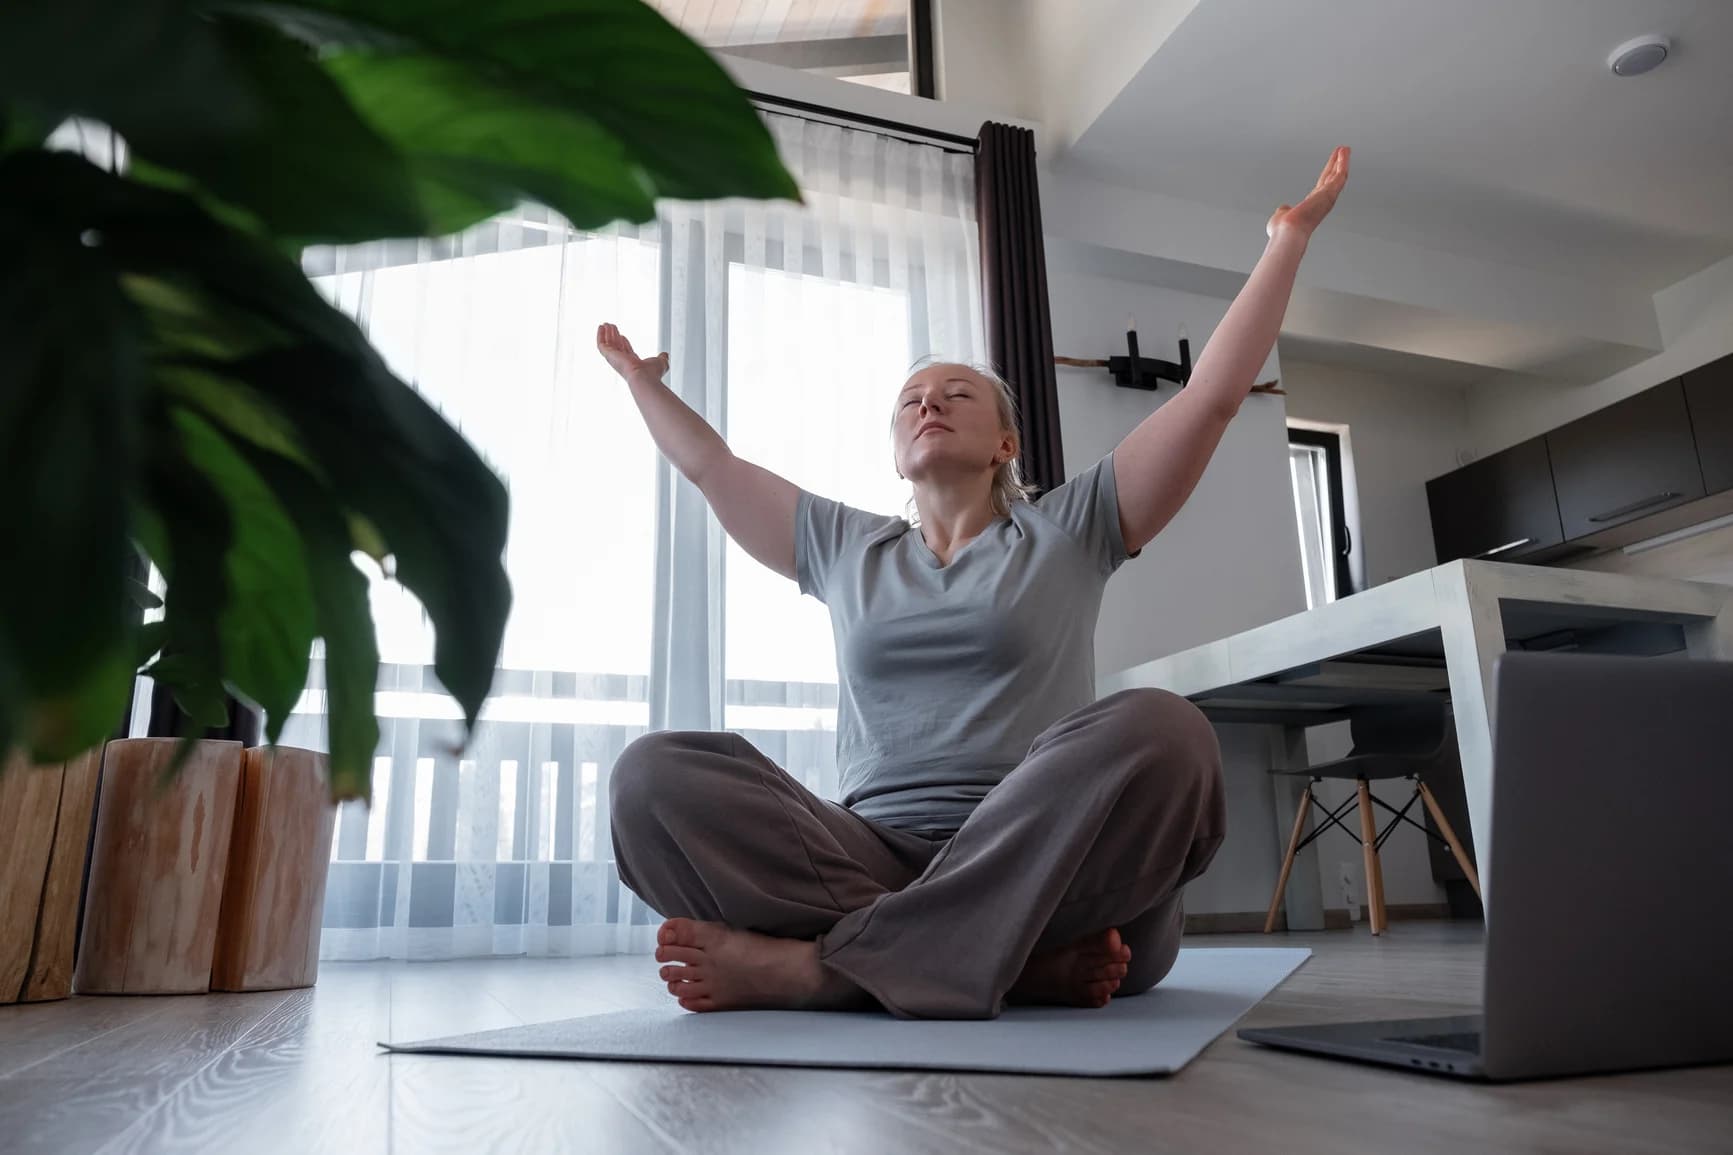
[698,1003]
[678,932]
[678,974]
[683,954]
[1106,972]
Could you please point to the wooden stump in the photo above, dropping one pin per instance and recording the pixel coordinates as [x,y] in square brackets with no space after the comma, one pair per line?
[157,868]
[44,833]
[274,901]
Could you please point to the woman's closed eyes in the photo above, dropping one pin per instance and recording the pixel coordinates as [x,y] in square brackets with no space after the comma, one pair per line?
[958,396]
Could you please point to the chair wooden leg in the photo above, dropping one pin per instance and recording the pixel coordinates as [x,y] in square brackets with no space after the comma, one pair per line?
[1374,873]
[1288,859]
[1449,833]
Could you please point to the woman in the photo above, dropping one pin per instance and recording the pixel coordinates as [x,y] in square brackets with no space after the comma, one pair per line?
[1003,834]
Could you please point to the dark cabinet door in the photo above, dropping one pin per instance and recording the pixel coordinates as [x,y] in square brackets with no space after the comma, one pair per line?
[1709,396]
[1625,461]
[1500,507]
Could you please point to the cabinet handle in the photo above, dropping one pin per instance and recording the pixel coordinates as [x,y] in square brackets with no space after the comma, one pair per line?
[1645,503]
[1505,548]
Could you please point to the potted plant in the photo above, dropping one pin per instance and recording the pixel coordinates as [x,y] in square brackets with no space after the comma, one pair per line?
[173,389]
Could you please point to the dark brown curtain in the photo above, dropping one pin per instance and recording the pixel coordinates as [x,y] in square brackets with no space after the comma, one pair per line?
[1014,291]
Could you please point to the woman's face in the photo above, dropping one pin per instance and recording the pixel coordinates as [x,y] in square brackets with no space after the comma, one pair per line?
[947,424]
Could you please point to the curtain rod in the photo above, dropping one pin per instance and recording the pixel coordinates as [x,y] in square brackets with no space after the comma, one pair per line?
[948,141]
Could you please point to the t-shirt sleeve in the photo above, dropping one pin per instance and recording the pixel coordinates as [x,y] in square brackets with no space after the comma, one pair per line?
[824,531]
[1087,507]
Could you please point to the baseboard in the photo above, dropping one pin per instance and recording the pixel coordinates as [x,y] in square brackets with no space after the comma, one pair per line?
[1252,922]
[1335,918]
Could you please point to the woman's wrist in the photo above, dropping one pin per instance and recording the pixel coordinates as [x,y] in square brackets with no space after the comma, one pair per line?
[1287,237]
[647,373]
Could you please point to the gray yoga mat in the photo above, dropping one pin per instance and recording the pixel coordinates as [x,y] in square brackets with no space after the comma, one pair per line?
[1152,1034]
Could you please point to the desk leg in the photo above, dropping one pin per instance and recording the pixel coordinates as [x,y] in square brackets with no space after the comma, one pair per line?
[1473,632]
[1304,901]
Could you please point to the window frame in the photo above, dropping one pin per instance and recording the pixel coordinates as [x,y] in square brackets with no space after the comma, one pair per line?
[1331,443]
[921,73]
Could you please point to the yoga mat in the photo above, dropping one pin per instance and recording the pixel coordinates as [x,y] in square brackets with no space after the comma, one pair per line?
[1156,1033]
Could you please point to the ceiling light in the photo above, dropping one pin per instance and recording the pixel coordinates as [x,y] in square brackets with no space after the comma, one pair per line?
[1635,57]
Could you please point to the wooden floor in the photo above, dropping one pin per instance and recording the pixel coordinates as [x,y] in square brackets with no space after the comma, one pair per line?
[298,1072]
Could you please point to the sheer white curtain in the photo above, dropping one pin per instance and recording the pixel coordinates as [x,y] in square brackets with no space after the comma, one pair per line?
[790,328]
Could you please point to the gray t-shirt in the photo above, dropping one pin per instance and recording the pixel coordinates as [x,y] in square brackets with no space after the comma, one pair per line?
[946,674]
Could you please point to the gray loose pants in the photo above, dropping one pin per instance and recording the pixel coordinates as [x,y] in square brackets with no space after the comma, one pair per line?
[1116,807]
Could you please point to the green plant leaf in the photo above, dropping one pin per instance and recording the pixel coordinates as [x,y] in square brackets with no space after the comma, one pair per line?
[20,128]
[147,642]
[142,595]
[616,62]
[477,148]
[194,519]
[254,293]
[395,461]
[183,322]
[70,363]
[237,409]
[267,623]
[345,617]
[232,103]
[364,536]
[63,726]
[11,701]
[308,167]
[437,506]
[153,65]
[197,689]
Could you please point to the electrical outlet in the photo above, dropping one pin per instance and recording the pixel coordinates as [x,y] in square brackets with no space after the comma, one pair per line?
[1349,880]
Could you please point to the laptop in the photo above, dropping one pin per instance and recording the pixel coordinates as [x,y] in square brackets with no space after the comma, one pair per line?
[1609,932]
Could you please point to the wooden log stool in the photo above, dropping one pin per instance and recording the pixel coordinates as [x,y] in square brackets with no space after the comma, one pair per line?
[44,836]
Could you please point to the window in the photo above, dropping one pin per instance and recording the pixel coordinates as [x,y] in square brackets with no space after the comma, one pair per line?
[1315,468]
[790,328]
[882,43]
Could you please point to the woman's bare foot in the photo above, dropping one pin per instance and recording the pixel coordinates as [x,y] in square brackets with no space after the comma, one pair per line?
[1083,974]
[710,966]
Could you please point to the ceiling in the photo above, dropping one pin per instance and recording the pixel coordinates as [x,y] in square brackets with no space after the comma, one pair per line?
[725,23]
[1491,131]
[865,41]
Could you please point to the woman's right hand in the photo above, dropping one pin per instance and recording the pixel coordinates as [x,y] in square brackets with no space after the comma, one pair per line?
[756,507]
[614,347]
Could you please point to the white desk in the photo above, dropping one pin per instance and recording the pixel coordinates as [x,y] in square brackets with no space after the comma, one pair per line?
[1448,624]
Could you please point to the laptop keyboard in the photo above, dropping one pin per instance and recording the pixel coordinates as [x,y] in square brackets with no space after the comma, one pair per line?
[1468,1041]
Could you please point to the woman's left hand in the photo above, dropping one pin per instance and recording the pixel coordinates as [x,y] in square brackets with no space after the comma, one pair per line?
[1302,218]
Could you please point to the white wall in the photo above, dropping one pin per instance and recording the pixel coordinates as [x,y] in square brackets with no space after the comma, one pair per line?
[1228,562]
[981,55]
[1695,318]
[1231,559]
[1401,433]
[1086,51]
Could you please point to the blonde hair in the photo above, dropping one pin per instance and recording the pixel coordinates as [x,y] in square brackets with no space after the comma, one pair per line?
[1008,485]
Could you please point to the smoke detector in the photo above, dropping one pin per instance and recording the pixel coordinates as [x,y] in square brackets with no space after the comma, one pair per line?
[1635,57]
